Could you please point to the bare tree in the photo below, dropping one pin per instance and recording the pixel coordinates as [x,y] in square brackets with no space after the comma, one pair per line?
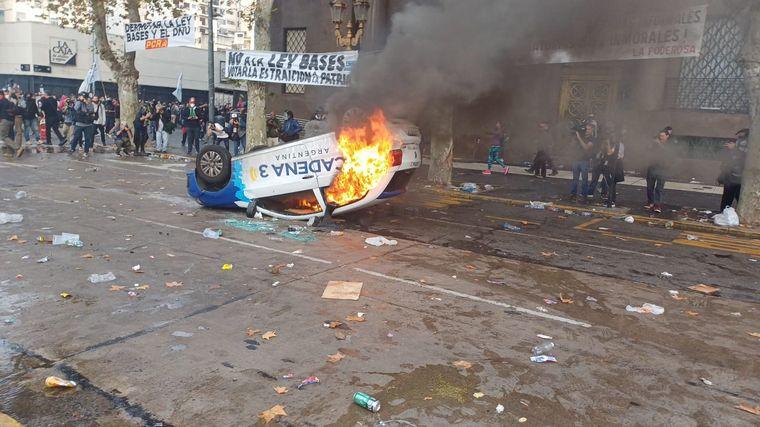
[92,17]
[256,133]
[749,201]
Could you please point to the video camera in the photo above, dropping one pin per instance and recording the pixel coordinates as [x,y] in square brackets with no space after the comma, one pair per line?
[580,125]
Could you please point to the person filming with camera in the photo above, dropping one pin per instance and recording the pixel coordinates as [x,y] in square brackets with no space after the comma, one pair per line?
[84,117]
[582,152]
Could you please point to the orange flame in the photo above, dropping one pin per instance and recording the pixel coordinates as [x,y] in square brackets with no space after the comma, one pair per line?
[366,159]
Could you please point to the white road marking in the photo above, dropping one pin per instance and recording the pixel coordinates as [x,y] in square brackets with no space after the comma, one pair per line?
[476,298]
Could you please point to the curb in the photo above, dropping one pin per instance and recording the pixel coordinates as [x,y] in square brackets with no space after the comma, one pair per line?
[676,224]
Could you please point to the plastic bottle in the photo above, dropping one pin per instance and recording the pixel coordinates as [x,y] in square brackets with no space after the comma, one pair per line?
[100,278]
[542,348]
[212,234]
[59,382]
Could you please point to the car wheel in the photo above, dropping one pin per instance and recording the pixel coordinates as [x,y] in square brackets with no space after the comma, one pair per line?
[250,210]
[213,165]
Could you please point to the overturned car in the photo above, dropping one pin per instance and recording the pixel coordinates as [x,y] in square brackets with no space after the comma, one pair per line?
[311,177]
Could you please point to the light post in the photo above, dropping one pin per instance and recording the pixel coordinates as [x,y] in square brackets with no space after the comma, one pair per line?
[356,17]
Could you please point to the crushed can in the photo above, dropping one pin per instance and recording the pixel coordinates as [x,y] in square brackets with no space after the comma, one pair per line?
[366,401]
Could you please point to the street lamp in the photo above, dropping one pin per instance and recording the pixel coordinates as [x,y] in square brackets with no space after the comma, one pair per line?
[357,17]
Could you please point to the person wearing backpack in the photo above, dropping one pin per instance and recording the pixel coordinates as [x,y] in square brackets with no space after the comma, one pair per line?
[84,117]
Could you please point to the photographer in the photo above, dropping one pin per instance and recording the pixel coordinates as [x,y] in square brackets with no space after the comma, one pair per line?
[582,151]
[84,116]
[236,133]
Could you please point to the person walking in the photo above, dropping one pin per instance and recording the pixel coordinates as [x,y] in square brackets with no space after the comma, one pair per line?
[165,127]
[582,148]
[7,117]
[99,125]
[732,169]
[191,120]
[84,128]
[659,157]
[499,139]
[31,124]
[49,107]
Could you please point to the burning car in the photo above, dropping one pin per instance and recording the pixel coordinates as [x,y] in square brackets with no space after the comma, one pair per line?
[311,177]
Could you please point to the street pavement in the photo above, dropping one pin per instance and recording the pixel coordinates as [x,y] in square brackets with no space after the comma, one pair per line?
[454,289]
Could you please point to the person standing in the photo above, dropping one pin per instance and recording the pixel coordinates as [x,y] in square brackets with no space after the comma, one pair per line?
[583,146]
[191,121]
[18,119]
[68,119]
[7,116]
[613,168]
[165,127]
[49,107]
[99,126]
[273,129]
[291,129]
[236,133]
[84,127]
[732,169]
[659,153]
[31,125]
[141,130]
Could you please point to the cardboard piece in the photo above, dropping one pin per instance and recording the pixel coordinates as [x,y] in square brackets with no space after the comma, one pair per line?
[342,290]
[705,289]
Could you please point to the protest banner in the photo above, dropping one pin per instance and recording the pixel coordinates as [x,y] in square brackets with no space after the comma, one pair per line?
[159,34]
[317,69]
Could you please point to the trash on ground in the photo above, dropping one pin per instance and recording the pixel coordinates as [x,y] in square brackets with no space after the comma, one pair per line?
[509,227]
[6,218]
[269,335]
[522,420]
[478,394]
[136,268]
[227,267]
[629,219]
[336,233]
[706,381]
[754,334]
[65,295]
[337,289]
[727,218]
[212,234]
[332,324]
[751,409]
[549,254]
[591,299]
[43,260]
[277,268]
[691,237]
[359,317]
[67,239]
[462,364]
[542,309]
[59,382]
[550,301]
[692,313]
[669,224]
[272,413]
[366,401]
[496,281]
[705,289]
[258,215]
[499,408]
[288,376]
[335,358]
[140,287]
[539,205]
[20,195]
[311,380]
[676,295]
[379,241]
[587,214]
[666,274]
[565,300]
[603,229]
[117,288]
[646,308]
[280,390]
[542,348]
[543,359]
[101,278]
[174,284]
[469,187]
[182,334]
[252,332]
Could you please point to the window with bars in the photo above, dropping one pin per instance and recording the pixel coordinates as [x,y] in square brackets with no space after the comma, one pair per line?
[295,41]
[715,79]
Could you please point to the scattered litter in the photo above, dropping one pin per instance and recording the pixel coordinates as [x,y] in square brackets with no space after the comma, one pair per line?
[359,317]
[549,254]
[706,381]
[88,256]
[591,299]
[751,409]
[568,212]
[666,275]
[705,289]
[272,413]
[100,278]
[132,294]
[544,347]
[252,332]
[117,288]
[136,268]
[499,408]
[604,229]
[539,205]
[311,380]
[336,289]
[542,309]
[550,301]
[462,364]
[496,281]
[269,335]
[258,215]
[311,221]
[6,218]
[20,195]
[691,237]
[25,257]
[509,227]
[736,314]
[336,233]
[692,313]
[545,337]
[469,187]
[275,284]
[59,382]
[42,260]
[335,358]
[646,308]
[9,320]
[752,260]
[227,267]
[727,218]
[543,359]
[174,284]
[522,420]
[19,276]
[68,239]
[182,334]
[754,334]
[669,224]
[280,390]
[212,234]
[488,187]
[565,300]
[332,324]
[478,395]
[676,295]
[140,287]
[629,219]
[367,402]
[288,376]
[587,214]
[379,241]
[65,295]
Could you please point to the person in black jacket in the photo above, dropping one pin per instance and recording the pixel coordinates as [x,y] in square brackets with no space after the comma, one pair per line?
[49,107]
[30,114]
[732,169]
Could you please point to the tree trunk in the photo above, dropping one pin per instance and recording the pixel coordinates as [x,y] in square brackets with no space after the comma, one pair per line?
[749,200]
[256,132]
[127,84]
[442,146]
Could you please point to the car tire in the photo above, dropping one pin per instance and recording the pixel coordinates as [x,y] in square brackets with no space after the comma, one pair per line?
[250,210]
[213,165]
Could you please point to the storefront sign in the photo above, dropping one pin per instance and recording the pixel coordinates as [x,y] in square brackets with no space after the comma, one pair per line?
[159,34]
[63,51]
[317,69]
[648,35]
